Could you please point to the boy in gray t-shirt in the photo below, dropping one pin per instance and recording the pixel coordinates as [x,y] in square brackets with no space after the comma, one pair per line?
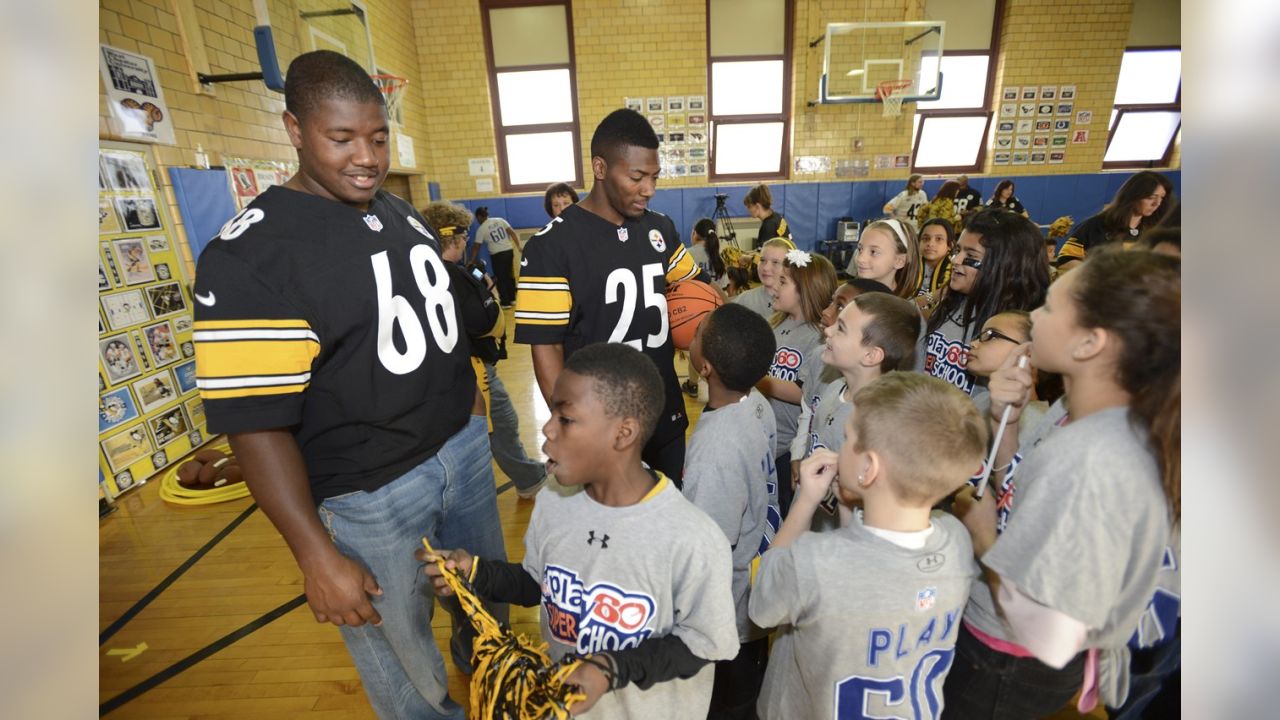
[729,473]
[627,572]
[869,613]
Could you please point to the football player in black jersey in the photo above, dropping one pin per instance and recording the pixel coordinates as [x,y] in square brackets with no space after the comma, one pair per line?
[597,272]
[329,349]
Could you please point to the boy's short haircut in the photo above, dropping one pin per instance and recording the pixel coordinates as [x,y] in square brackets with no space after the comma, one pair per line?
[626,381]
[739,344]
[867,285]
[894,327]
[928,432]
[620,129]
[321,75]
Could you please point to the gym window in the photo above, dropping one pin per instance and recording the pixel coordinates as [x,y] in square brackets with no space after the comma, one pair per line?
[533,92]
[950,133]
[749,79]
[1147,112]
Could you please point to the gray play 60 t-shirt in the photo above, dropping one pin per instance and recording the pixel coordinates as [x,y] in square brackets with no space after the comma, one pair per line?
[1086,529]
[613,577]
[729,473]
[870,626]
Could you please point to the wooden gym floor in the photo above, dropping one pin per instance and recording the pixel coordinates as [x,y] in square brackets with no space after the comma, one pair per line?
[278,661]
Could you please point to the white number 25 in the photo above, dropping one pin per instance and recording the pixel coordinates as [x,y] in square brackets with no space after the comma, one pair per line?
[625,280]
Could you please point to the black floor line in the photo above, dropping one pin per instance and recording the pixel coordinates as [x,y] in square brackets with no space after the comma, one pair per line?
[503,488]
[198,655]
[129,614]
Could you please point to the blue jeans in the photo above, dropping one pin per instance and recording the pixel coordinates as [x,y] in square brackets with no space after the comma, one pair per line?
[508,451]
[449,498]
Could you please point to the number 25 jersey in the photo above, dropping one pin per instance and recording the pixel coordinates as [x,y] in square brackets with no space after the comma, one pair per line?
[585,280]
[339,324]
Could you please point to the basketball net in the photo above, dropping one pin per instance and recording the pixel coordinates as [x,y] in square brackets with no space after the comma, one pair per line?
[392,87]
[891,93]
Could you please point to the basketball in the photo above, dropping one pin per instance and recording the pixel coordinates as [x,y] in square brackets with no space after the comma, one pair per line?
[687,303]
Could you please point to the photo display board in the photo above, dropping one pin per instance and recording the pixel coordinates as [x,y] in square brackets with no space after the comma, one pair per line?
[149,410]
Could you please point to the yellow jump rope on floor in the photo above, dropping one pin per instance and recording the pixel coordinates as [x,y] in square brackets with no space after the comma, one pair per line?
[514,679]
[172,492]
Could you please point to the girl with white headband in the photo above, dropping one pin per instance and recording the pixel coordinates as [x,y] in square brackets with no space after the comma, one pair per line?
[888,253]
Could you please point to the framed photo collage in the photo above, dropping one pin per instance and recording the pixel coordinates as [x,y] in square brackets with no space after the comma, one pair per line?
[149,410]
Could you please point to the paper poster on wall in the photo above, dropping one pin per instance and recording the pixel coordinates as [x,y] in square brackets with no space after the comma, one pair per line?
[658,122]
[1044,125]
[1022,142]
[1028,93]
[1025,125]
[1001,158]
[636,104]
[1008,109]
[1061,125]
[1080,137]
[1067,92]
[1038,158]
[697,120]
[811,164]
[1048,92]
[853,168]
[1056,158]
[902,161]
[1010,93]
[1019,158]
[884,162]
[1004,142]
[481,166]
[134,96]
[1059,141]
[1066,108]
[404,151]
[1044,109]
[697,168]
[655,105]
[124,171]
[675,104]
[695,103]
[1040,141]
[108,221]
[1026,108]
[484,184]
[675,121]
[1084,117]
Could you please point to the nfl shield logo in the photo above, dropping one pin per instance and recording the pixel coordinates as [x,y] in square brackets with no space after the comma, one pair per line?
[926,598]
[622,234]
[373,222]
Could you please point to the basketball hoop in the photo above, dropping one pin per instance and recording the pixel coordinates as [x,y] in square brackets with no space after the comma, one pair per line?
[392,87]
[891,94]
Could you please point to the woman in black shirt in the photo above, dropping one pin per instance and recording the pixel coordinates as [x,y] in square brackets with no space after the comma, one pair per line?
[759,202]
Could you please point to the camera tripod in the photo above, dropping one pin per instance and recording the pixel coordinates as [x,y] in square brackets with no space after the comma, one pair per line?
[720,216]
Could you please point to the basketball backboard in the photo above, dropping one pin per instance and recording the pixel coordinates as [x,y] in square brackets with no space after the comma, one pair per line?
[859,56]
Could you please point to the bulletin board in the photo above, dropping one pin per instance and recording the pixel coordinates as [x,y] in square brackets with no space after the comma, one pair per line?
[149,409]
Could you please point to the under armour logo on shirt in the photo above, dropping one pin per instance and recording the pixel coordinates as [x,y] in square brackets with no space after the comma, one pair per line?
[591,538]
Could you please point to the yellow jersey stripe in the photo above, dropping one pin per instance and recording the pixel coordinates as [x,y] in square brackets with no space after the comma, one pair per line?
[544,279]
[543,301]
[1072,249]
[681,267]
[241,358]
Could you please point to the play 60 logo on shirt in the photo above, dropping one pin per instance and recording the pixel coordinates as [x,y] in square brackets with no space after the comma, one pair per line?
[947,359]
[786,364]
[591,619]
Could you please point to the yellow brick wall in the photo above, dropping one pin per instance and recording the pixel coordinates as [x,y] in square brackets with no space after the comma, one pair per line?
[242,119]
[1043,43]
[637,48]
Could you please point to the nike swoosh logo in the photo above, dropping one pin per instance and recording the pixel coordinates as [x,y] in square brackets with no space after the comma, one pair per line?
[524,262]
[206,301]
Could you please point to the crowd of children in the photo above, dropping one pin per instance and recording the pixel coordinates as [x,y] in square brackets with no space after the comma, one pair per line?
[828,490]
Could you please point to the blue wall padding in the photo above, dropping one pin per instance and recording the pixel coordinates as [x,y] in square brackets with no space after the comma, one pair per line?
[205,203]
[802,212]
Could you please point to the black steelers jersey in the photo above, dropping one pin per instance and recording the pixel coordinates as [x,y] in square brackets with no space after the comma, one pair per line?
[339,324]
[585,280]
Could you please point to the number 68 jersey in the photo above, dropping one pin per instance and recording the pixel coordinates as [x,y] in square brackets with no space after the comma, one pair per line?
[585,280]
[339,324]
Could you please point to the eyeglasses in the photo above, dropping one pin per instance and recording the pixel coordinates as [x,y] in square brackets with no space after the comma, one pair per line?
[991,333]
